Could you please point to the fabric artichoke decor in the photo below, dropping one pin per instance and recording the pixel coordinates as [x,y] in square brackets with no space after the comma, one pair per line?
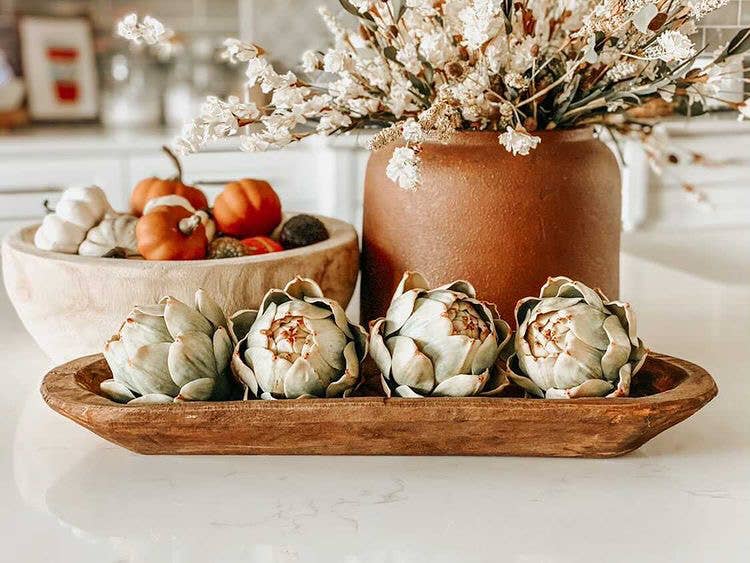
[439,342]
[170,352]
[299,344]
[573,342]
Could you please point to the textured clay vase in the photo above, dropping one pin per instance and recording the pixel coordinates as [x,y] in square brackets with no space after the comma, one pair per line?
[504,223]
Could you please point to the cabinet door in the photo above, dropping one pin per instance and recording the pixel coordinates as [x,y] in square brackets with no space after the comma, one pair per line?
[51,175]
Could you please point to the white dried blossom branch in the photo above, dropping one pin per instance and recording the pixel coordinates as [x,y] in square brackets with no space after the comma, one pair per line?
[149,31]
[421,69]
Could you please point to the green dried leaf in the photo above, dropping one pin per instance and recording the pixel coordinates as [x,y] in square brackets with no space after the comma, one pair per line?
[399,7]
[738,45]
[421,86]
[349,7]
[390,53]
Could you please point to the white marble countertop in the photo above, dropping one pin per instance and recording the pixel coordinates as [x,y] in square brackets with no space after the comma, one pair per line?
[685,496]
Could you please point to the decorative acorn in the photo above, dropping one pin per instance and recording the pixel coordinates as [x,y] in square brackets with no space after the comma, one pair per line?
[227,247]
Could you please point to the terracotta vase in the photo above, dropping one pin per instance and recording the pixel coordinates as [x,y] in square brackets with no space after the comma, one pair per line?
[504,223]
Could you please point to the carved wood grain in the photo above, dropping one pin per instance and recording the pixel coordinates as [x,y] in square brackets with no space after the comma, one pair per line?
[380,426]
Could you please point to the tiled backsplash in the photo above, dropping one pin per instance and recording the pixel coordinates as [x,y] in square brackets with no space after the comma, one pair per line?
[719,27]
[187,16]
[284,27]
[293,24]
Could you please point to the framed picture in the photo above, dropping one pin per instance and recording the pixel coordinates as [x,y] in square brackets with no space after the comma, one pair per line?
[59,67]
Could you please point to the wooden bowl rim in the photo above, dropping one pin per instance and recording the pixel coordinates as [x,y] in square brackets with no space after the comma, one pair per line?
[63,393]
[341,234]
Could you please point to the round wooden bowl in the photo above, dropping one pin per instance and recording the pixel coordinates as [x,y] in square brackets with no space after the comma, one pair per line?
[72,304]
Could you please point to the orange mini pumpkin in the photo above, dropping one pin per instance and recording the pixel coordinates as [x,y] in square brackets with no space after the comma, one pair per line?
[171,233]
[247,208]
[153,187]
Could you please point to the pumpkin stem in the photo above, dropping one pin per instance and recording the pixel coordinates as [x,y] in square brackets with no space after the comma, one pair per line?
[175,161]
[188,225]
[47,207]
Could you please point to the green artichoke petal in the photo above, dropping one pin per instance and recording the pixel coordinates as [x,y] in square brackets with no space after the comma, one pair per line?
[486,354]
[551,287]
[638,356]
[400,309]
[222,346]
[330,341]
[322,369]
[578,363]
[197,390]
[151,399]
[444,296]
[497,382]
[550,304]
[303,309]
[240,324]
[461,286]
[541,371]
[117,358]
[150,370]
[450,355]
[255,337]
[274,297]
[407,392]
[210,309]
[587,325]
[339,315]
[575,289]
[589,388]
[349,381]
[269,369]
[523,382]
[134,334]
[522,312]
[243,372]
[191,357]
[623,382]
[181,318]
[504,335]
[301,379]
[410,366]
[361,340]
[462,385]
[410,281]
[116,391]
[385,385]
[626,315]
[300,287]
[618,351]
[378,349]
[427,321]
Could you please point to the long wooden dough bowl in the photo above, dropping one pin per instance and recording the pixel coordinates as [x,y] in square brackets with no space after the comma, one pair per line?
[667,390]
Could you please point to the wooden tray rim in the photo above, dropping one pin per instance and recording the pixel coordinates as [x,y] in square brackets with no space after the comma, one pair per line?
[59,387]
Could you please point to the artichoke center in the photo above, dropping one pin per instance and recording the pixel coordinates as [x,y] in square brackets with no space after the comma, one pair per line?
[547,333]
[466,321]
[289,338]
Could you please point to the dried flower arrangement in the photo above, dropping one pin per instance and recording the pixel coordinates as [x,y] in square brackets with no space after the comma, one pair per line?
[420,69]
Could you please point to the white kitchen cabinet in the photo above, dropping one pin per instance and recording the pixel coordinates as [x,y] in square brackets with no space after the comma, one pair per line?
[318,175]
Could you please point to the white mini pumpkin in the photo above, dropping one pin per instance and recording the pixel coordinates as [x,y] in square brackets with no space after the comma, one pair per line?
[178,200]
[78,210]
[115,233]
